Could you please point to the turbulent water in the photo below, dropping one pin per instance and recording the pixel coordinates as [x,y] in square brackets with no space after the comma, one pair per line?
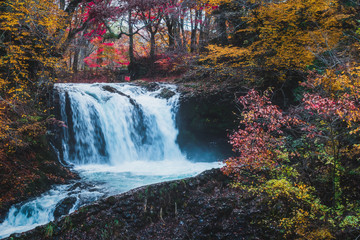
[118,137]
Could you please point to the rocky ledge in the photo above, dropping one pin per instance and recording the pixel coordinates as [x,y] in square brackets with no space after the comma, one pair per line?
[202,207]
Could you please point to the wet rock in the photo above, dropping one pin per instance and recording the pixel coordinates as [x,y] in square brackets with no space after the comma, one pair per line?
[114,90]
[75,186]
[78,187]
[204,123]
[166,93]
[64,206]
[151,86]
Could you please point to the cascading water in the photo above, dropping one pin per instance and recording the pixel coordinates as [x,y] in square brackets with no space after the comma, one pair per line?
[118,137]
[117,124]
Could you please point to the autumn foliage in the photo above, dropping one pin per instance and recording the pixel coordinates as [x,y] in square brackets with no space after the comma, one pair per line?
[32,34]
[30,43]
[312,146]
[281,37]
[259,139]
[298,159]
[106,55]
[296,148]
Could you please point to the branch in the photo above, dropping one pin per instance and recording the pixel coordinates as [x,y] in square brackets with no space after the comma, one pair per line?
[73,5]
[122,32]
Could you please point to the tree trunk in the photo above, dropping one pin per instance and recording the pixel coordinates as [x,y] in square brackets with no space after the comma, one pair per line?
[183,33]
[76,60]
[62,4]
[131,67]
[204,31]
[70,58]
[221,27]
[170,30]
[194,26]
[177,38]
[152,47]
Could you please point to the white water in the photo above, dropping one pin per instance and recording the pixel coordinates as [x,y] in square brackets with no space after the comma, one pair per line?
[117,140]
[111,128]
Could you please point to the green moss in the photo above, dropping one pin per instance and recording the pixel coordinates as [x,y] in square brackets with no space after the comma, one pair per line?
[49,230]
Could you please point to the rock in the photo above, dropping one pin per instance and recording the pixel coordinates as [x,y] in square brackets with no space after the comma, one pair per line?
[149,86]
[149,212]
[204,123]
[63,207]
[75,186]
[114,90]
[152,86]
[165,93]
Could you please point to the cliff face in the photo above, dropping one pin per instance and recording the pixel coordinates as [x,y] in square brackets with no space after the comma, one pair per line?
[207,113]
[202,207]
[204,124]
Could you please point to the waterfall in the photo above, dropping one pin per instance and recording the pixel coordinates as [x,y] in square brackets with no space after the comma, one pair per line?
[117,123]
[117,137]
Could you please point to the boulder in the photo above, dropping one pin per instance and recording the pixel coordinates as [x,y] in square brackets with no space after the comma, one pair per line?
[151,86]
[166,93]
[64,206]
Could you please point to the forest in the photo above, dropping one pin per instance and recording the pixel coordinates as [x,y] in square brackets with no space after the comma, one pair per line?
[296,63]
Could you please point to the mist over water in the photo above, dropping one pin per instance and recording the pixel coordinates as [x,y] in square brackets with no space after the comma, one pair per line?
[118,137]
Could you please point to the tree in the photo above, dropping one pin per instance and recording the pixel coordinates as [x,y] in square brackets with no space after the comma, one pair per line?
[259,139]
[31,49]
[313,144]
[105,55]
[284,36]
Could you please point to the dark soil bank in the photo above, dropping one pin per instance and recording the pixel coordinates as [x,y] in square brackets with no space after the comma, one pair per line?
[202,207]
[28,174]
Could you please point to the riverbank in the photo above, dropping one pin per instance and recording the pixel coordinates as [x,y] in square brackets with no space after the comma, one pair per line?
[30,173]
[201,207]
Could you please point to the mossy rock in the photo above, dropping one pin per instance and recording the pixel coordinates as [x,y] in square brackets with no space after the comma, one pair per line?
[166,93]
